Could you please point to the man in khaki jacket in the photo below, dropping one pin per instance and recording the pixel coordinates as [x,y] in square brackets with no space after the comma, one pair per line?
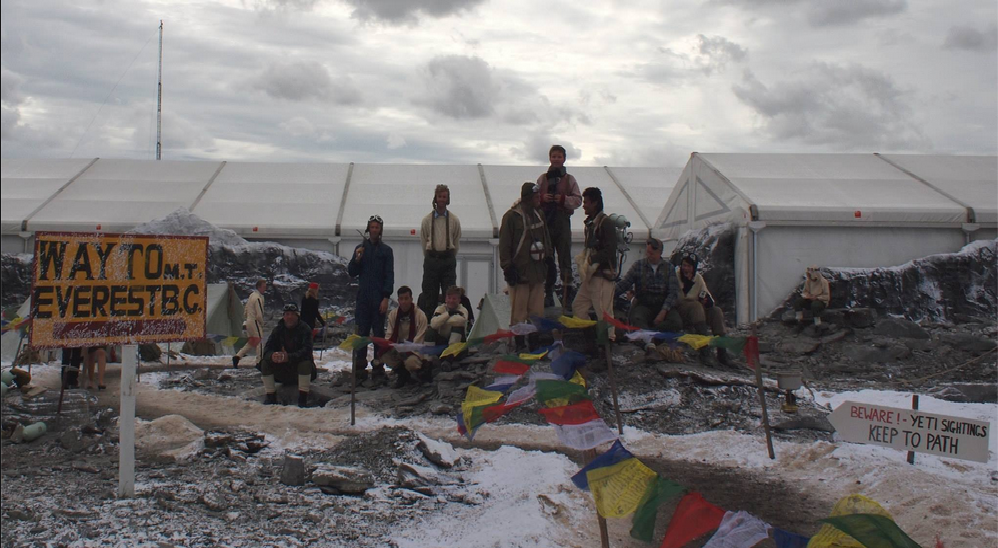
[815,295]
[407,323]
[440,237]
[697,308]
[254,324]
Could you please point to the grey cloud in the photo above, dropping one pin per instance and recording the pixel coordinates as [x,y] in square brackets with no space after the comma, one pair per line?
[303,80]
[461,87]
[848,107]
[971,39]
[398,12]
[535,148]
[824,13]
[284,5]
[717,51]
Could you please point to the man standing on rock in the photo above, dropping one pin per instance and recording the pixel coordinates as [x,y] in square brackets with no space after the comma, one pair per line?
[254,324]
[653,291]
[524,244]
[815,295]
[560,197]
[598,261]
[374,263]
[407,323]
[697,308]
[440,236]
[288,352]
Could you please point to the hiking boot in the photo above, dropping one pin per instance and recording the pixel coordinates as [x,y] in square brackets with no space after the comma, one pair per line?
[652,353]
[548,299]
[270,399]
[401,378]
[235,362]
[302,399]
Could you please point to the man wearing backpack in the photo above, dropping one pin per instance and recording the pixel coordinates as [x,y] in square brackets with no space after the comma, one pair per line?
[524,244]
[598,261]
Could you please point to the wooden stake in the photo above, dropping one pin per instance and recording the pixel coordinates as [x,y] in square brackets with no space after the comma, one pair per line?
[126,423]
[613,389]
[914,406]
[604,535]
[353,386]
[762,402]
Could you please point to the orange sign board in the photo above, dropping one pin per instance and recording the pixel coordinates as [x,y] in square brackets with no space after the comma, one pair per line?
[95,289]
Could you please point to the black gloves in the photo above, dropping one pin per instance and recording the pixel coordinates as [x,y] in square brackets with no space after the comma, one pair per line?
[512,278]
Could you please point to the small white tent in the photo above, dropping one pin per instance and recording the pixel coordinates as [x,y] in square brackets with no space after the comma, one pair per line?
[844,210]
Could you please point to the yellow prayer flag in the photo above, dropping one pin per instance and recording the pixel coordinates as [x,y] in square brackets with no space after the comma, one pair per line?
[533,357]
[577,379]
[348,342]
[229,341]
[617,489]
[828,536]
[575,323]
[696,341]
[475,398]
[454,349]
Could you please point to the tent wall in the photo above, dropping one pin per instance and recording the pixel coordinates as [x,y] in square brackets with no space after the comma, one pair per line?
[785,252]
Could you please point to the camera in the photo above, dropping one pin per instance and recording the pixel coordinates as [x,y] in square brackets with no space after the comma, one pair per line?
[556,173]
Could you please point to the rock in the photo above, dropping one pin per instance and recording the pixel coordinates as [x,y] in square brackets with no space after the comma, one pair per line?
[414,400]
[459,375]
[789,318]
[876,354]
[422,479]
[441,409]
[170,437]
[970,343]
[150,352]
[72,441]
[819,423]
[834,337]
[967,392]
[921,345]
[342,480]
[799,347]
[900,328]
[860,317]
[293,471]
[14,513]
[834,316]
[765,347]
[440,453]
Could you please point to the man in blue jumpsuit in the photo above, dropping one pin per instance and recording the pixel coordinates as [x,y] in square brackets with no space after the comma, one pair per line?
[374,263]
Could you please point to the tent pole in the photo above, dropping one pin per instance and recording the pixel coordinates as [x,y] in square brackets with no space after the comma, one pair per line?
[755,227]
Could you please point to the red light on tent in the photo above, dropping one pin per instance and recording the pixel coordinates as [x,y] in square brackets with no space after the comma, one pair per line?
[257,228]
[412,231]
[98,227]
[858,214]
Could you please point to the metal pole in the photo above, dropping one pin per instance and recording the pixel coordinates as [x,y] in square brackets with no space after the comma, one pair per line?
[762,402]
[159,97]
[914,406]
[587,457]
[613,388]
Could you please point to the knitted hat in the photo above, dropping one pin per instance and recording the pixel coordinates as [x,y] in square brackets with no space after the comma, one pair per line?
[528,189]
[313,285]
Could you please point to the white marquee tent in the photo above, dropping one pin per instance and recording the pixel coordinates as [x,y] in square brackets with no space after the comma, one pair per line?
[839,210]
[312,205]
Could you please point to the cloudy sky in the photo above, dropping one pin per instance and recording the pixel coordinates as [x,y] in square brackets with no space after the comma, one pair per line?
[498,81]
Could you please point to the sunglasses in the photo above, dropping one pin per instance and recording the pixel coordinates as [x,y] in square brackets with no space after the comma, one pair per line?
[692,257]
[376,218]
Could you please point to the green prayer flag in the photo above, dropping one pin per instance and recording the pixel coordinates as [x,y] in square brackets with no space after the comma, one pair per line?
[872,530]
[659,491]
[569,392]
[734,344]
[515,358]
[602,333]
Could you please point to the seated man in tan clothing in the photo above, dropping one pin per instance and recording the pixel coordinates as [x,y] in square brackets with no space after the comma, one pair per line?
[407,323]
[696,307]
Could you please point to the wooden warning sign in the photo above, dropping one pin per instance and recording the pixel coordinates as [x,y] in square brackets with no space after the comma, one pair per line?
[94,289]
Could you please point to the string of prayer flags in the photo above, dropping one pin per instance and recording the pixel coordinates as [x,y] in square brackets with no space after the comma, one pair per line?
[354,341]
[616,453]
[567,364]
[647,336]
[659,491]
[602,333]
[829,536]
[544,324]
[735,345]
[503,383]
[739,530]
[786,539]
[752,351]
[579,412]
[585,436]
[695,341]
[533,357]
[576,323]
[617,323]
[510,367]
[619,484]
[523,328]
[693,517]
[497,336]
[475,400]
[559,393]
[872,530]
[454,349]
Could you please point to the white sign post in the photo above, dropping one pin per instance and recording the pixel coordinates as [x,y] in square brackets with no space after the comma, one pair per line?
[126,423]
[912,430]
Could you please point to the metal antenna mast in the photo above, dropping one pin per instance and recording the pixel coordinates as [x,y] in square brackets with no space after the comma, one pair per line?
[159,97]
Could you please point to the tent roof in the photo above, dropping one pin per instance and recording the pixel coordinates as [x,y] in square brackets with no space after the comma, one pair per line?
[832,187]
[972,180]
[27,184]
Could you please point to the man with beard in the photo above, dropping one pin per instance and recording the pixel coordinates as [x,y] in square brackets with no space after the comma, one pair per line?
[288,351]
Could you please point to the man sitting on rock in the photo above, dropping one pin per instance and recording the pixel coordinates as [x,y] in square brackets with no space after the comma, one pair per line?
[449,320]
[288,352]
[653,291]
[814,296]
[407,323]
[696,307]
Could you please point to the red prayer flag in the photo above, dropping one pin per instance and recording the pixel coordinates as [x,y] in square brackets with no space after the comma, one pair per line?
[617,323]
[751,351]
[694,516]
[379,341]
[510,368]
[493,412]
[580,412]
[501,334]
